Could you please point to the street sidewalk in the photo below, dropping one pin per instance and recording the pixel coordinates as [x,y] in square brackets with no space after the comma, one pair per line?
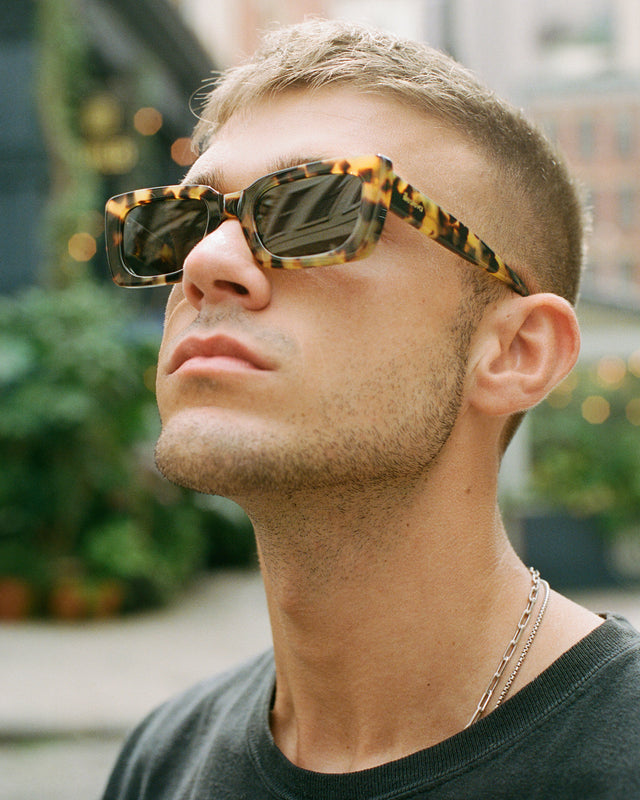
[100,678]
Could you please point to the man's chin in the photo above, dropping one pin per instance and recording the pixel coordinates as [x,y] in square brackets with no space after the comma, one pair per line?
[213,456]
[187,455]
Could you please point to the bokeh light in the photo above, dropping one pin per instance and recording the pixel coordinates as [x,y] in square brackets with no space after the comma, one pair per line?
[611,372]
[182,153]
[633,411]
[101,116]
[82,246]
[147,121]
[115,156]
[596,410]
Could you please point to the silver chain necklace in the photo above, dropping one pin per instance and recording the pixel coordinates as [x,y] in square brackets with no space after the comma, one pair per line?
[511,647]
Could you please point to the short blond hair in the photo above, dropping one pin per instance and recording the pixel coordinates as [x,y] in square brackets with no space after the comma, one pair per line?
[540,228]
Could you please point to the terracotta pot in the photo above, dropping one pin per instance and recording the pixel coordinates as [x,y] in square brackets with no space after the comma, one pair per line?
[16,598]
[108,599]
[68,600]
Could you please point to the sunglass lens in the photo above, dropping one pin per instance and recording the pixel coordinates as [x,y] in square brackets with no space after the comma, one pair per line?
[308,216]
[158,235]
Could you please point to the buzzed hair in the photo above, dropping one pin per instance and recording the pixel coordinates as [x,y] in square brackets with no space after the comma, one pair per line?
[538,228]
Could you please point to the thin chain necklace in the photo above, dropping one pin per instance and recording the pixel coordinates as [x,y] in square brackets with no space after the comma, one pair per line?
[511,647]
[525,650]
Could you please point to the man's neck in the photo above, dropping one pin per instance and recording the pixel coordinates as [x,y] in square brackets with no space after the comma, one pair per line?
[390,610]
[382,615]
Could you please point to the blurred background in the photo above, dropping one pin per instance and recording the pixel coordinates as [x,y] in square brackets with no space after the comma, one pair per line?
[117,588]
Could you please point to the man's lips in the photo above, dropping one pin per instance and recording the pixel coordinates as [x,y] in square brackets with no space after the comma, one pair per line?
[215,352]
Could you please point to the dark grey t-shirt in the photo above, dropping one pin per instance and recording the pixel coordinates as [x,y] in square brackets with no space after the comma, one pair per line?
[572,734]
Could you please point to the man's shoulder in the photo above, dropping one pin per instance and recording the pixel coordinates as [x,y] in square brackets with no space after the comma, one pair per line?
[612,691]
[206,724]
[611,656]
[211,697]
[574,730]
[218,704]
[600,676]
[588,706]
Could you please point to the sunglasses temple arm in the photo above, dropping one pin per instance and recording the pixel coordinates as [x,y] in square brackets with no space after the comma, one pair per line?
[425,215]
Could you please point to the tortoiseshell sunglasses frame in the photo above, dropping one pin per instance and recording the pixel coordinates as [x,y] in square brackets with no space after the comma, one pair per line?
[382,191]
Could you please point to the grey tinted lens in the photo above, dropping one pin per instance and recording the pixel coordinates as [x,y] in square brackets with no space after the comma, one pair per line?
[158,236]
[308,216]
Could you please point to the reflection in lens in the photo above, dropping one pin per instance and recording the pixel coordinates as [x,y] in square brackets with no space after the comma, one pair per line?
[308,216]
[159,235]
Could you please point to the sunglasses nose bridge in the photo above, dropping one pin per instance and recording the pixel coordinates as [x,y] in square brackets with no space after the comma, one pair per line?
[228,207]
[231,205]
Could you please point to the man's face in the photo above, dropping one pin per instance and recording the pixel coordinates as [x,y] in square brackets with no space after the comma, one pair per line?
[329,376]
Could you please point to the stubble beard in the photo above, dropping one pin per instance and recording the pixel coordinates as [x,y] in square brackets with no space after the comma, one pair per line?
[333,455]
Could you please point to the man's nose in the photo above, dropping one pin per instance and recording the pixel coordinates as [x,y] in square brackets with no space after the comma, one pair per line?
[221,268]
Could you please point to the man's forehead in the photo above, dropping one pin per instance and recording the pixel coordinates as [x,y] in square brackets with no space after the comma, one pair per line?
[299,126]
[210,172]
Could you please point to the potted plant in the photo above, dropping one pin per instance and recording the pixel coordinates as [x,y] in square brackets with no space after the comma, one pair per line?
[87,525]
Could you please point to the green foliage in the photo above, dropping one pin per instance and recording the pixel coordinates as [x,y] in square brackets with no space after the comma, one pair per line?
[78,490]
[586,444]
[64,82]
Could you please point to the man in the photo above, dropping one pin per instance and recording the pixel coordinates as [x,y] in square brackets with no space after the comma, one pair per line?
[358,410]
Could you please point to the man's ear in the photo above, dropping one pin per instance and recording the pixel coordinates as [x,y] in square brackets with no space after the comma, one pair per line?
[522,350]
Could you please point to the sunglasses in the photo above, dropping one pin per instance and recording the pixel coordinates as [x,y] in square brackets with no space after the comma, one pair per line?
[318,214]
